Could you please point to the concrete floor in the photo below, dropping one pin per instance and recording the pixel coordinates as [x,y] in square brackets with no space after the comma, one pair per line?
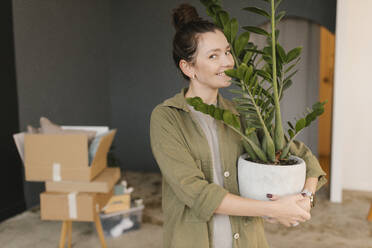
[332,225]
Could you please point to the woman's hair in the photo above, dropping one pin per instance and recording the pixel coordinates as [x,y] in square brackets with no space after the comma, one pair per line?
[188,26]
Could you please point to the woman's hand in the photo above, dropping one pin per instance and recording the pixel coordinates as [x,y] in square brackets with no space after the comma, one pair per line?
[289,210]
[305,204]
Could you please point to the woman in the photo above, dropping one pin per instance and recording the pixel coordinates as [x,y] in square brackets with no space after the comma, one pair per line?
[197,155]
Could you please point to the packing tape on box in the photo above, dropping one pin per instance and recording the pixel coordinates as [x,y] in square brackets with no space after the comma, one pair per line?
[72,206]
[57,172]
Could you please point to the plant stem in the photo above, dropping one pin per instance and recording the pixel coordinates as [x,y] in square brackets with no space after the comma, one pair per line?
[260,154]
[270,143]
[279,134]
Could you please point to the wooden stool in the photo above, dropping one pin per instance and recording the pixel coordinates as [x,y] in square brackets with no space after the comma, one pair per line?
[67,228]
[369,218]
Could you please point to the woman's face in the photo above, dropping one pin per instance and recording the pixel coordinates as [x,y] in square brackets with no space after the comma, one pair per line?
[212,58]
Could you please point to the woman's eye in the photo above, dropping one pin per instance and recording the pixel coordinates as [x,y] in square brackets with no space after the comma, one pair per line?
[228,52]
[213,56]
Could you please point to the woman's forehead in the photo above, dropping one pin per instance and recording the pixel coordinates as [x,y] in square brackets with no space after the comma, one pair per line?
[212,41]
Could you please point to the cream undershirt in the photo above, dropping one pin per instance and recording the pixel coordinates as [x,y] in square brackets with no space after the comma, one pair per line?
[222,234]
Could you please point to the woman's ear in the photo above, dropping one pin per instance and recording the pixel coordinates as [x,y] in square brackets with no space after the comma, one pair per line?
[187,68]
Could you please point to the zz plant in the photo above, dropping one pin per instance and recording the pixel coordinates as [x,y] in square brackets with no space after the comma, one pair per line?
[262,76]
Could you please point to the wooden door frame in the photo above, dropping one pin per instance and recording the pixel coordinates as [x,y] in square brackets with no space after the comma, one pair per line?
[326,87]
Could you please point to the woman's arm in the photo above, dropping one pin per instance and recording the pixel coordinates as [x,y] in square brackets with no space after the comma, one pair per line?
[285,209]
[313,168]
[179,169]
[311,184]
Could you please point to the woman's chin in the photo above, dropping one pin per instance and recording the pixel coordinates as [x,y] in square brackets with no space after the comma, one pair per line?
[226,83]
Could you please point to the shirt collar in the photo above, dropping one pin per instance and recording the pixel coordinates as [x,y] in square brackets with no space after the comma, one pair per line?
[179,101]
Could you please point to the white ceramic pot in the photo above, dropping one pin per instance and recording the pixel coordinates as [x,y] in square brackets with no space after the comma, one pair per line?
[256,180]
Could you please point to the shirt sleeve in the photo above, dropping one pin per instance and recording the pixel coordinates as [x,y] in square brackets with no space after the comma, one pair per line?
[179,168]
[313,168]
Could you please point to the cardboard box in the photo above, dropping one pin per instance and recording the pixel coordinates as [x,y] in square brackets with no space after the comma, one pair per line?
[103,183]
[117,203]
[72,206]
[60,157]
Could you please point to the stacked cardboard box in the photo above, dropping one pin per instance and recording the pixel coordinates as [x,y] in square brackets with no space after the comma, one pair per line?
[76,188]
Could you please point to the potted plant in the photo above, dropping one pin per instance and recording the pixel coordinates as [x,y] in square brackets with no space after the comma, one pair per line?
[262,76]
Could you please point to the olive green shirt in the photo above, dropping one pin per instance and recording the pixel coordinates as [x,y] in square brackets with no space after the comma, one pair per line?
[189,196]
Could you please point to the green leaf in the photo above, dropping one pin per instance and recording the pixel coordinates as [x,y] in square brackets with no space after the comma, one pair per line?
[231,119]
[211,109]
[241,71]
[290,132]
[236,91]
[220,114]
[234,28]
[194,101]
[268,51]
[249,150]
[254,50]
[290,125]
[293,54]
[279,17]
[240,43]
[287,84]
[231,29]
[231,73]
[248,74]
[256,30]
[289,77]
[277,3]
[202,108]
[281,52]
[248,131]
[213,9]
[265,75]
[223,17]
[235,82]
[247,57]
[318,109]
[258,11]
[227,31]
[300,124]
[291,67]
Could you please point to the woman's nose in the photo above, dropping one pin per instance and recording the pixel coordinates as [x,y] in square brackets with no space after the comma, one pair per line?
[228,61]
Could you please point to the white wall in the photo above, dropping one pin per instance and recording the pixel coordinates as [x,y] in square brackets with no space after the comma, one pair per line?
[352,115]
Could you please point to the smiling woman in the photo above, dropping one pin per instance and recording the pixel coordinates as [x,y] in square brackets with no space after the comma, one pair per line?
[197,154]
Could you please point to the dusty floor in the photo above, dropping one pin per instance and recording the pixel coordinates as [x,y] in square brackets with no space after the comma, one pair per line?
[332,225]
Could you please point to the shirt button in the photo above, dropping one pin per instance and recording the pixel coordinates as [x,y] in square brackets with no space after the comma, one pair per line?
[236,235]
[226,174]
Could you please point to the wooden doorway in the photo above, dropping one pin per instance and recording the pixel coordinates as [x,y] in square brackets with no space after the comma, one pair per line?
[326,85]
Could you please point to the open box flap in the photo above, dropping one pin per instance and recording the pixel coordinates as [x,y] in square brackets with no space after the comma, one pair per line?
[100,159]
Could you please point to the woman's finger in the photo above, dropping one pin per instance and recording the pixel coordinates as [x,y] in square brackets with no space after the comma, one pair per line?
[272,197]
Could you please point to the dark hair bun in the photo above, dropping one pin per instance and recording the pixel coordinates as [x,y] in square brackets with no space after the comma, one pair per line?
[184,14]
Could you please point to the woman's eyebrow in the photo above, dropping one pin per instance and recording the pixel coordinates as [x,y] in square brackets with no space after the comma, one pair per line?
[218,49]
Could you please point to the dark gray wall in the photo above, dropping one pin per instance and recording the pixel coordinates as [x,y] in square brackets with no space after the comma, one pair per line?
[99,62]
[142,70]
[62,64]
